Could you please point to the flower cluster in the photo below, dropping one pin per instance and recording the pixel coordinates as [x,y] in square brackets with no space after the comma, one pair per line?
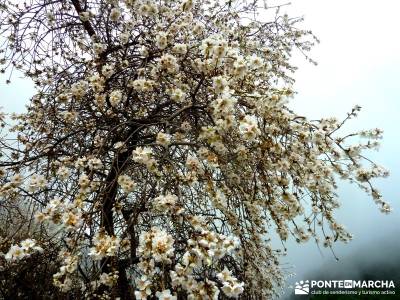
[207,247]
[169,63]
[62,279]
[25,249]
[104,245]
[144,156]
[115,97]
[249,128]
[230,285]
[60,212]
[156,244]
[37,182]
[126,183]
[12,185]
[108,279]
[163,139]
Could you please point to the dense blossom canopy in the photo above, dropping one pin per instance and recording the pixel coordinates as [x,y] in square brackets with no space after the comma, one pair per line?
[158,156]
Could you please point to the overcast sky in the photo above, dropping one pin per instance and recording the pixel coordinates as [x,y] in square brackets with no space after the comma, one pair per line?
[358,63]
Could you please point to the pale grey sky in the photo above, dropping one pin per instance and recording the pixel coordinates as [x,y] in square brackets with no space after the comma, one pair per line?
[14,96]
[358,63]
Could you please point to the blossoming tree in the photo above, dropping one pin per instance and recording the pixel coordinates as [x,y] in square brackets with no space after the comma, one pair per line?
[158,156]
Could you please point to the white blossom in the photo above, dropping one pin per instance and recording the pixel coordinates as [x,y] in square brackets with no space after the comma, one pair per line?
[163,139]
[104,245]
[115,97]
[115,14]
[25,249]
[126,183]
[165,295]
